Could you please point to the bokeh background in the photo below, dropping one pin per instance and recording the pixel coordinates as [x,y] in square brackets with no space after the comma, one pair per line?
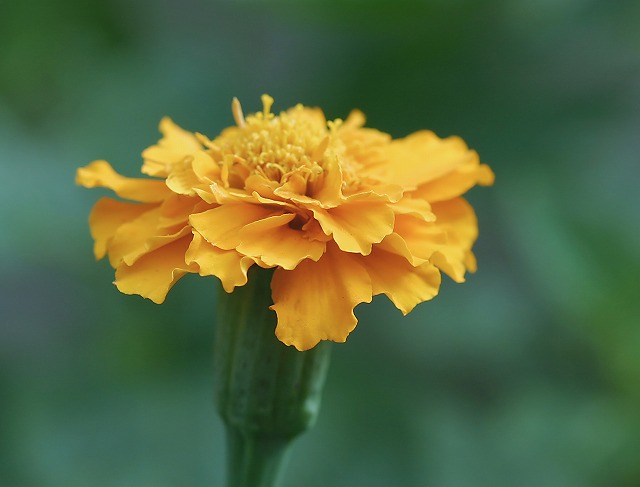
[528,374]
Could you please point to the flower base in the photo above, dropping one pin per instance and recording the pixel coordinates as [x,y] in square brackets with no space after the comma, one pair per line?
[267,393]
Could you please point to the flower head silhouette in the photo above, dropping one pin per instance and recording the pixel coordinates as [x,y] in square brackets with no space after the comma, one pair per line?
[339,211]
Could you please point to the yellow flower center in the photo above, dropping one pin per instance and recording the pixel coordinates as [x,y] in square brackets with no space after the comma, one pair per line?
[296,142]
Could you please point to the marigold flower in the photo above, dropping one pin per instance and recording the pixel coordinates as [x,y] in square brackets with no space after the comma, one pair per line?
[342,213]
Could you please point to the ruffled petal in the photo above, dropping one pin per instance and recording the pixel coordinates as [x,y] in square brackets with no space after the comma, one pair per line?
[415,207]
[205,168]
[107,216]
[175,210]
[182,179]
[155,273]
[389,193]
[447,242]
[101,174]
[456,183]
[422,157]
[363,145]
[227,265]
[173,147]
[277,244]
[140,236]
[258,183]
[130,239]
[397,245]
[315,301]
[221,226]
[328,188]
[405,285]
[358,225]
[457,218]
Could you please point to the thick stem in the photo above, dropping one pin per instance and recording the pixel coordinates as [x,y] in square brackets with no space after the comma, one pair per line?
[267,393]
[255,461]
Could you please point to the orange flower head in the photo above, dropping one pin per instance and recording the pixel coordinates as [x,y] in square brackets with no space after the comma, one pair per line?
[340,212]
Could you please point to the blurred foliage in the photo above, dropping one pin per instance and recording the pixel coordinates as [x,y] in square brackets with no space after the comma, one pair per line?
[526,375]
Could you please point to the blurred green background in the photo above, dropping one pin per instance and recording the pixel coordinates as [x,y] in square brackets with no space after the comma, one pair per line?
[527,375]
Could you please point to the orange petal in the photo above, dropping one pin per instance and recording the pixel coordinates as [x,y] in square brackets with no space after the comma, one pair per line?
[175,210]
[447,242]
[364,145]
[138,237]
[415,207]
[155,273]
[328,187]
[101,174]
[395,244]
[456,183]
[315,301]
[457,218]
[173,147]
[389,193]
[204,167]
[260,184]
[220,226]
[107,216]
[277,244]
[227,265]
[182,179]
[358,225]
[355,119]
[217,193]
[405,285]
[422,157]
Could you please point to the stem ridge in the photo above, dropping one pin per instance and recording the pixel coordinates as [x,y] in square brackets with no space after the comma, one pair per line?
[266,393]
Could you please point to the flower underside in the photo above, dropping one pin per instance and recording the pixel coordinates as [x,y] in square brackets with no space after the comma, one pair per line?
[341,212]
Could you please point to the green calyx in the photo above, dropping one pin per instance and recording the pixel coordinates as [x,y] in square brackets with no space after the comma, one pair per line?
[267,393]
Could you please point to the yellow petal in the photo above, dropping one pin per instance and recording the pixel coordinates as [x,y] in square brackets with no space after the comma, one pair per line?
[140,236]
[315,301]
[457,218]
[204,167]
[395,244]
[101,174]
[328,187]
[364,145]
[220,226]
[175,210]
[447,242]
[415,207]
[260,184]
[389,193]
[182,179]
[355,119]
[455,183]
[277,244]
[295,182]
[405,285]
[227,265]
[155,273]
[107,216]
[313,231]
[356,226]
[422,157]
[173,147]
[217,193]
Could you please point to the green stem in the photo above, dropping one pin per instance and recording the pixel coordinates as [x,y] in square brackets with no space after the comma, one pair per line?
[255,461]
[267,393]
